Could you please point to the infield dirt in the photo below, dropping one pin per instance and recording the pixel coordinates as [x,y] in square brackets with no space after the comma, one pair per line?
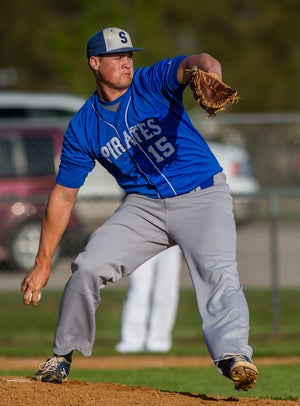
[18,390]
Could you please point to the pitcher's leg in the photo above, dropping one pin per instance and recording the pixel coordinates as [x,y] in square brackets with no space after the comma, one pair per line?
[209,247]
[76,322]
[118,247]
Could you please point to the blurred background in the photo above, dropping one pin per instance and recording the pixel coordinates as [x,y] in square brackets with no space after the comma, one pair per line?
[44,79]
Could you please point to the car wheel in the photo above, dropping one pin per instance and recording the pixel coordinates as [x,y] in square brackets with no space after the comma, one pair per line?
[24,246]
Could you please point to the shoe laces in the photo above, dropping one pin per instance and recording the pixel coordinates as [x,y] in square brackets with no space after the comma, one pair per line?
[236,357]
[51,363]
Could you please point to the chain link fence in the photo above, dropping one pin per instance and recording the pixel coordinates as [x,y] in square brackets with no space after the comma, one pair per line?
[268,246]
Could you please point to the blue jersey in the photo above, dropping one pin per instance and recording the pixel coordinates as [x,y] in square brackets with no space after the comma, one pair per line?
[149,144]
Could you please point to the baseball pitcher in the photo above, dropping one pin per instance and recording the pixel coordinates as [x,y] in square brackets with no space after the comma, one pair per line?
[136,126]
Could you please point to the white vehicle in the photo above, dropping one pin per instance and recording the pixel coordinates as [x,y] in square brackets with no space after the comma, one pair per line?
[236,164]
[34,105]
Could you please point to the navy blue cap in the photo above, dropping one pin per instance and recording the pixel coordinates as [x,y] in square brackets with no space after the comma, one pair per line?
[110,41]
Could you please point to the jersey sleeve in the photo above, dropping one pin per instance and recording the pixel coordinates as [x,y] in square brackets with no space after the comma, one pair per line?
[76,160]
[161,77]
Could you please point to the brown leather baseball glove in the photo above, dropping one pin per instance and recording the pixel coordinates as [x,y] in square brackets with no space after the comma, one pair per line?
[210,93]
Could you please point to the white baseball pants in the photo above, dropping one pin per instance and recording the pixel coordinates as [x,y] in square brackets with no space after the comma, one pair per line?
[150,307]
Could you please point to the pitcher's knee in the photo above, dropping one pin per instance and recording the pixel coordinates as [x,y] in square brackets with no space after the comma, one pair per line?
[84,282]
[93,274]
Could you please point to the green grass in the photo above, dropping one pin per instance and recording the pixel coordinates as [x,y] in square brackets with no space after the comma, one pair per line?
[28,331]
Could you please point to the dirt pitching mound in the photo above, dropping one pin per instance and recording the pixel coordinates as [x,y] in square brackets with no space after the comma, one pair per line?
[25,391]
[17,390]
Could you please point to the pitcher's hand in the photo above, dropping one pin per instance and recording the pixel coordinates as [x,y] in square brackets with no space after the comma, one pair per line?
[32,284]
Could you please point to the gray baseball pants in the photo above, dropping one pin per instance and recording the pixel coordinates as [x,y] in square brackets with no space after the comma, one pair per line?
[202,224]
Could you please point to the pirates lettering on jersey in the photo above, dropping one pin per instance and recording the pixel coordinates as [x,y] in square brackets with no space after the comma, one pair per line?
[138,134]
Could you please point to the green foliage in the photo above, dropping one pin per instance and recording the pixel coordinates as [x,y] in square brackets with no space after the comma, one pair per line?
[255,41]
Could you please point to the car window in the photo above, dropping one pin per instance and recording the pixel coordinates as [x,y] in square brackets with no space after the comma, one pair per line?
[7,167]
[27,156]
[39,153]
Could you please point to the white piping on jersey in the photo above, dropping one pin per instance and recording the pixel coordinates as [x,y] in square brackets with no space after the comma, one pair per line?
[116,131]
[137,143]
[141,149]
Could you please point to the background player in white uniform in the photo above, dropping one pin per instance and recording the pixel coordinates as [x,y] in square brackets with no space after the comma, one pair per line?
[136,126]
[150,307]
